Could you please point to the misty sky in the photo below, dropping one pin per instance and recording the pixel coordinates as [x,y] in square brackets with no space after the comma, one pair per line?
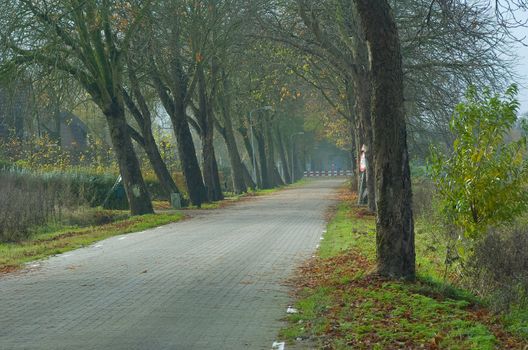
[522,69]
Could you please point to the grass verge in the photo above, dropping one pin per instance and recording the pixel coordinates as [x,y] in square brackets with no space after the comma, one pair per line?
[343,304]
[56,240]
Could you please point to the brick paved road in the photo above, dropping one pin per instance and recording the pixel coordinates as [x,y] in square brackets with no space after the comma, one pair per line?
[212,282]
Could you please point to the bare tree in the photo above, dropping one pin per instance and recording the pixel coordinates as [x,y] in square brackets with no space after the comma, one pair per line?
[88,40]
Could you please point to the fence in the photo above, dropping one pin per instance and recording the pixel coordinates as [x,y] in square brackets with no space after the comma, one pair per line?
[328,173]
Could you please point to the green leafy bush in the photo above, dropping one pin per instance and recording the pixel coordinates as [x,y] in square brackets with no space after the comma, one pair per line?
[483,183]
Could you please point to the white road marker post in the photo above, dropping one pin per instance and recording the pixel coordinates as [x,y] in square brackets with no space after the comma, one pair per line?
[291,310]
[277,346]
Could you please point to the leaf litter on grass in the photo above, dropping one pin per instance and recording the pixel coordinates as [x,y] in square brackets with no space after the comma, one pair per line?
[344,304]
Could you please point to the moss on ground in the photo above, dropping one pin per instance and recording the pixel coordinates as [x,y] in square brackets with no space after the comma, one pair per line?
[343,304]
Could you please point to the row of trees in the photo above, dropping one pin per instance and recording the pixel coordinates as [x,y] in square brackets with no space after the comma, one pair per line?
[379,65]
[188,58]
[382,67]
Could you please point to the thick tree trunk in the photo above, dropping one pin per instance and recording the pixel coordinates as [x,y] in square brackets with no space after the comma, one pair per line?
[137,194]
[175,108]
[262,161]
[210,168]
[353,183]
[187,155]
[158,165]
[218,184]
[146,140]
[353,155]
[206,122]
[239,183]
[247,178]
[277,176]
[298,159]
[365,126]
[394,223]
[358,92]
[273,173]
[247,144]
[355,128]
[283,158]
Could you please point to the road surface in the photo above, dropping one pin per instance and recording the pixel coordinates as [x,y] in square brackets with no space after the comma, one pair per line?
[211,282]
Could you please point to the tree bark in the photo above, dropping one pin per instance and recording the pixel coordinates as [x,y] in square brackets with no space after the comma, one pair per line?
[262,161]
[298,160]
[278,178]
[363,90]
[239,182]
[394,223]
[273,173]
[247,178]
[175,108]
[187,155]
[158,165]
[156,161]
[206,123]
[146,139]
[283,158]
[210,168]
[136,191]
[249,149]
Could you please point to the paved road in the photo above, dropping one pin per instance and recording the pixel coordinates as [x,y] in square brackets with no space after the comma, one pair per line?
[212,282]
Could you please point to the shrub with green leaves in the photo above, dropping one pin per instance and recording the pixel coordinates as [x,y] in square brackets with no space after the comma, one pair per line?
[483,183]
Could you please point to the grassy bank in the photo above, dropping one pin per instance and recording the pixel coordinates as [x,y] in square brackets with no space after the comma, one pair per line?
[52,240]
[343,304]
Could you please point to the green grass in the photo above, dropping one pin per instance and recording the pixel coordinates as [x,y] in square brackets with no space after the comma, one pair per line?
[57,239]
[344,305]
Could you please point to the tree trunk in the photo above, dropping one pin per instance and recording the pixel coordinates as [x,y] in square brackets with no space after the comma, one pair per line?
[187,155]
[142,115]
[157,163]
[175,108]
[262,161]
[159,166]
[247,178]
[358,94]
[273,174]
[136,191]
[205,120]
[247,144]
[276,175]
[283,158]
[239,184]
[394,223]
[365,126]
[298,159]
[210,168]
